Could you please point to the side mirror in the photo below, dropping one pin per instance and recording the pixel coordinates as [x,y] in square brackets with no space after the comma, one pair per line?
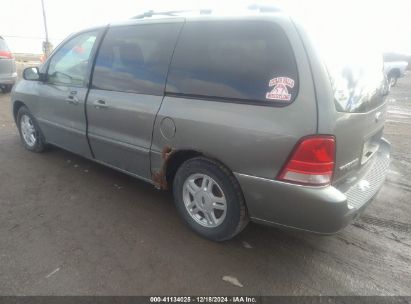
[32,74]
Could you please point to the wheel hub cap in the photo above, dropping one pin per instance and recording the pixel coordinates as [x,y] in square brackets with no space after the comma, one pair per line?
[204,200]
[28,130]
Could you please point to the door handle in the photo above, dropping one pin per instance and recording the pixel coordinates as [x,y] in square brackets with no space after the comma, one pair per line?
[100,104]
[72,99]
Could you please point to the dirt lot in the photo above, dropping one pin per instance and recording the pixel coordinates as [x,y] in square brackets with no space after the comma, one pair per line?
[71,227]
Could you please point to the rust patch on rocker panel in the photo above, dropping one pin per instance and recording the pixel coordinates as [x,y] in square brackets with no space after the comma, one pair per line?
[159,177]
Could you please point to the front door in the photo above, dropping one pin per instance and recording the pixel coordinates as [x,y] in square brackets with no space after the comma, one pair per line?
[62,96]
[126,93]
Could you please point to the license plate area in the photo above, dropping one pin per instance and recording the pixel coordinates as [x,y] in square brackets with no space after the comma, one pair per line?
[370,147]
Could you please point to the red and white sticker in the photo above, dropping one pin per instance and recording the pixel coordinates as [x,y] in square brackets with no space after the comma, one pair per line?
[280,90]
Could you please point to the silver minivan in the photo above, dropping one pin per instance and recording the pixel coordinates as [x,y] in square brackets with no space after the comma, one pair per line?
[8,73]
[238,115]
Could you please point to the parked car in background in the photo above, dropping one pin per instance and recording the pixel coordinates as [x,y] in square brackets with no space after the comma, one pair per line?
[395,70]
[8,73]
[237,115]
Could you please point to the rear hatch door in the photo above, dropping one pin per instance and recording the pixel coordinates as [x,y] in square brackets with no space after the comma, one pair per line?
[359,89]
[347,67]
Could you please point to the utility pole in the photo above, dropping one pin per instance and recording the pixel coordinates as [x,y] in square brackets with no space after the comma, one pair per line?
[46,44]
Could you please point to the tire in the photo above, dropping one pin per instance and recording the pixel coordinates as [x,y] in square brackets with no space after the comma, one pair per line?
[393,78]
[222,186]
[394,81]
[35,143]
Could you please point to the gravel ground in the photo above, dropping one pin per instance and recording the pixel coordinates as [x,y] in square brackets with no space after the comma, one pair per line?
[69,226]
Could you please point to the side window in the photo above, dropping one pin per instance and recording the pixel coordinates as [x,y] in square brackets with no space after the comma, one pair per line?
[69,64]
[242,60]
[135,58]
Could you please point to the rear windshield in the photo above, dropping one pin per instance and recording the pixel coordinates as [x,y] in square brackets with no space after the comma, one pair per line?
[354,64]
[245,61]
[3,45]
[357,78]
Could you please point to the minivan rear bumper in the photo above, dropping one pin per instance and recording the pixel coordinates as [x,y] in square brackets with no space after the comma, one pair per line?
[322,210]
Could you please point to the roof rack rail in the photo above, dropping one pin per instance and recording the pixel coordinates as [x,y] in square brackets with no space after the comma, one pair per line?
[152,13]
[265,8]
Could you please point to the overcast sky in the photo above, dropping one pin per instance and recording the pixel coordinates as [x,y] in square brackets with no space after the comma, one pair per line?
[21,22]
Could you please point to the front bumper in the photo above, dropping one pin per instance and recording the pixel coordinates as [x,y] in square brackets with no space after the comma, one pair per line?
[322,210]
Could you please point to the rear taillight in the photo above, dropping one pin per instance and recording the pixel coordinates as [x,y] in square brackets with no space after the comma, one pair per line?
[6,55]
[311,162]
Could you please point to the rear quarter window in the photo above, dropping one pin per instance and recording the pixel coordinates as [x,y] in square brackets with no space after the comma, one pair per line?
[245,61]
